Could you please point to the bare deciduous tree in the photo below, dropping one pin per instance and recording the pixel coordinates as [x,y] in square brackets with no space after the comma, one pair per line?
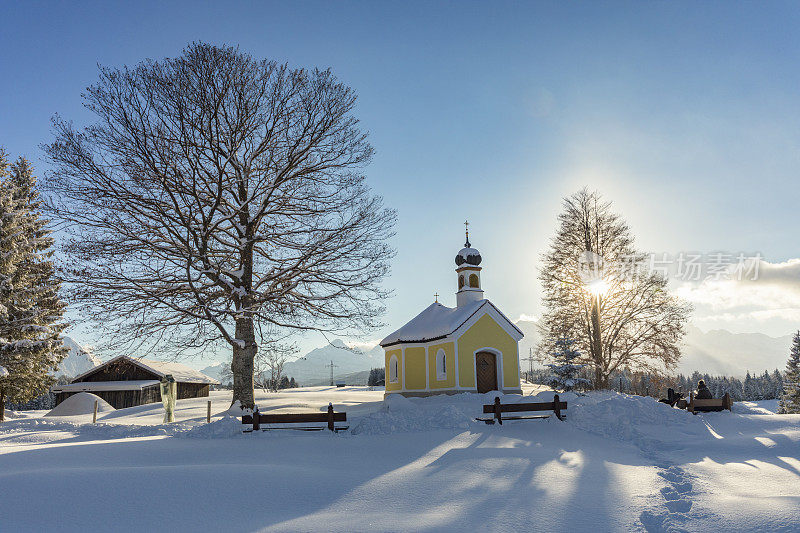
[597,292]
[269,364]
[215,195]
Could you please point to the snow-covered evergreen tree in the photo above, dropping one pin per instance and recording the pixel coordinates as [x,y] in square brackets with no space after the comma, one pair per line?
[777,384]
[790,401]
[750,388]
[30,309]
[565,371]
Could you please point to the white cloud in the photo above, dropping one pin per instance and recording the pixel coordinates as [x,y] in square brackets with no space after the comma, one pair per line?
[772,299]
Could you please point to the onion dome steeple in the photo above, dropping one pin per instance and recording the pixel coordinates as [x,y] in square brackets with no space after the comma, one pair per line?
[469,273]
[468,255]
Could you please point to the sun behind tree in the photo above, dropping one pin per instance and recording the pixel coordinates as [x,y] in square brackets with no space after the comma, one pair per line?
[597,292]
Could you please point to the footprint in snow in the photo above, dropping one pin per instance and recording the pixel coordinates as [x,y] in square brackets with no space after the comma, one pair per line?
[676,501]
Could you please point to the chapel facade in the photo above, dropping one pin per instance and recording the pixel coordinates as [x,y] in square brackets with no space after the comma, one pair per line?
[472,347]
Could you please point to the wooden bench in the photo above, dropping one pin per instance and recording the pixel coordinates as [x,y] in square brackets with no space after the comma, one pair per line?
[256,419]
[717,404]
[498,409]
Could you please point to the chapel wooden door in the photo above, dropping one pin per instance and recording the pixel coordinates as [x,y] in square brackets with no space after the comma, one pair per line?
[486,370]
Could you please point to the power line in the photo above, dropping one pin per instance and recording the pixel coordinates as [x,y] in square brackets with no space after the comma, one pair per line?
[332,367]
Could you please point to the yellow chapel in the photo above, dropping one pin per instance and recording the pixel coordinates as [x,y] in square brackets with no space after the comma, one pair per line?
[472,347]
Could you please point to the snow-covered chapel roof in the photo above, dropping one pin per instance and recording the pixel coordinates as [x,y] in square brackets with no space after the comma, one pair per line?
[438,321]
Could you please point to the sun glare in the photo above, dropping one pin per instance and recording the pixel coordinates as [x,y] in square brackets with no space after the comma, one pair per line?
[598,287]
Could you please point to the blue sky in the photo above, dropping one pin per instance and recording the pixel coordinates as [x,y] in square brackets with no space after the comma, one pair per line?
[685,114]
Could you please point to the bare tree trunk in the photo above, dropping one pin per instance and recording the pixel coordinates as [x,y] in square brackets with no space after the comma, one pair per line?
[597,347]
[243,363]
[2,405]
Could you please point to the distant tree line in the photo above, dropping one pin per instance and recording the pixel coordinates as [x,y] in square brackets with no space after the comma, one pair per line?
[766,386]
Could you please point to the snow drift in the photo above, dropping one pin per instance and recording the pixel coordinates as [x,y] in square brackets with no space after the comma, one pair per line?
[80,404]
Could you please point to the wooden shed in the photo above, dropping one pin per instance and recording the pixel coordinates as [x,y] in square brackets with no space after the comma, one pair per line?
[129,381]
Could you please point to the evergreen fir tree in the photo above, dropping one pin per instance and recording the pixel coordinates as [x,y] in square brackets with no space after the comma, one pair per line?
[749,388]
[777,383]
[30,309]
[565,371]
[766,386]
[790,401]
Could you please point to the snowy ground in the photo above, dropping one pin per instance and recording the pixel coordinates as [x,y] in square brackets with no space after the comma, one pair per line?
[619,463]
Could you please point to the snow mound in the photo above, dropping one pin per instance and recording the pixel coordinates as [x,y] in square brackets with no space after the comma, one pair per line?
[401,415]
[639,420]
[225,427]
[80,404]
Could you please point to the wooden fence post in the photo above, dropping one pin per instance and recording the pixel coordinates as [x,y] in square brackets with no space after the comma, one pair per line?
[208,413]
[330,416]
[94,416]
[727,403]
[497,413]
[256,419]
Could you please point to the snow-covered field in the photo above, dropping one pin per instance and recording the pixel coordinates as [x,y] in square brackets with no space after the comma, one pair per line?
[619,463]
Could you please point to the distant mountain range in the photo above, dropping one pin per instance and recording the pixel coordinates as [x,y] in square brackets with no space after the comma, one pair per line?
[714,352]
[721,352]
[314,367]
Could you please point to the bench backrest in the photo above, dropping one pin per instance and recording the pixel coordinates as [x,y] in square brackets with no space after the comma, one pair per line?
[290,418]
[713,402]
[497,408]
[710,404]
[256,419]
[522,407]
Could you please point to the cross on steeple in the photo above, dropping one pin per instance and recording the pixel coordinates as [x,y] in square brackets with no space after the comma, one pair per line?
[466,230]
[436,297]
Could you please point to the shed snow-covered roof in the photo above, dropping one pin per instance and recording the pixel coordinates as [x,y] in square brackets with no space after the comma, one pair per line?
[105,385]
[438,321]
[180,372]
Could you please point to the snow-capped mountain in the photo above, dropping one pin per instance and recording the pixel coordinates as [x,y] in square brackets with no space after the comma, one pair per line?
[78,360]
[312,366]
[215,371]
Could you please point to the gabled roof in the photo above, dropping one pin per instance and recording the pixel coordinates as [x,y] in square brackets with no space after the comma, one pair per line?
[105,385]
[180,372]
[438,321]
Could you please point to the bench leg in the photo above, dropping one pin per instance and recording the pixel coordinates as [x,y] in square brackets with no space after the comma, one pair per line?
[497,412]
[556,409]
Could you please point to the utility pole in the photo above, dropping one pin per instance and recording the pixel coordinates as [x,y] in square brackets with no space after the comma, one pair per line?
[332,367]
[530,364]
